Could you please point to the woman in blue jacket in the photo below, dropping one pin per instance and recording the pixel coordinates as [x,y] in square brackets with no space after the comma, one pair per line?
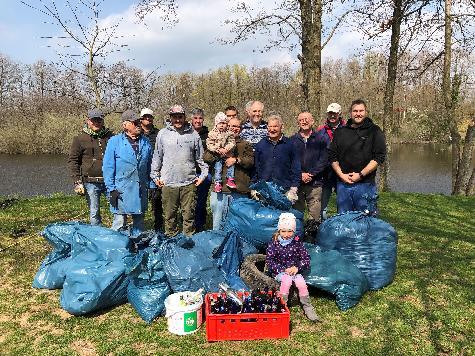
[126,169]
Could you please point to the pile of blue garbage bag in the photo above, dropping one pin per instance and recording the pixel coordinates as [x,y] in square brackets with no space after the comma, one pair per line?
[99,268]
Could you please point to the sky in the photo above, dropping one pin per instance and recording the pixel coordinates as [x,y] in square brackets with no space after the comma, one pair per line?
[189,45]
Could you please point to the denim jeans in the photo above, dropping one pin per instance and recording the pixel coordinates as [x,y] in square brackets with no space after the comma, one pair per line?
[201,200]
[218,170]
[219,203]
[356,197]
[93,198]
[119,223]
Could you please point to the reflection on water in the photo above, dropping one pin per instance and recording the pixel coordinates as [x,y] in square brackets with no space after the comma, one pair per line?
[421,168]
[34,175]
[414,168]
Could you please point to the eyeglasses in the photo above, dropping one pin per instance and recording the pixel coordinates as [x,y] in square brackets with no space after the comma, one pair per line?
[147,117]
[98,119]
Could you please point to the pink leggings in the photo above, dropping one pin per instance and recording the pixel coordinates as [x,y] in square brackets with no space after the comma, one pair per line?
[286,283]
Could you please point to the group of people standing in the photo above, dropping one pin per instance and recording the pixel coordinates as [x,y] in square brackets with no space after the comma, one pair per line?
[176,167]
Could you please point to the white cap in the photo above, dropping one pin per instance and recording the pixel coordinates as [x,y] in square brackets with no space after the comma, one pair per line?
[146,111]
[334,107]
[287,221]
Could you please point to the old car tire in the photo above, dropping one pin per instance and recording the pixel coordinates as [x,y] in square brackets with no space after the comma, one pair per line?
[253,274]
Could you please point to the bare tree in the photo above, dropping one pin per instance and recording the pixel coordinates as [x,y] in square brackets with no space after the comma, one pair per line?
[406,21]
[81,25]
[451,81]
[292,24]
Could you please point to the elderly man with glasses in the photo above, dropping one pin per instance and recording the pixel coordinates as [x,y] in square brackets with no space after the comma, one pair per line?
[85,162]
[127,174]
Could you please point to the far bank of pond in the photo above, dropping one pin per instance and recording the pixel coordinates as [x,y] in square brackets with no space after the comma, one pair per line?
[421,168]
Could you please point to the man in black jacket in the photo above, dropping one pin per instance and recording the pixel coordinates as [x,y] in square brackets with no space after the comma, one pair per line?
[197,120]
[155,194]
[85,162]
[355,153]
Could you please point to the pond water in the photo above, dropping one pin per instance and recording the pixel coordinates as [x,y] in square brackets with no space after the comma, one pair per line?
[423,168]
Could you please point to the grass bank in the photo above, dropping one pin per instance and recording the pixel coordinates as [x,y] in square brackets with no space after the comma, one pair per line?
[427,310]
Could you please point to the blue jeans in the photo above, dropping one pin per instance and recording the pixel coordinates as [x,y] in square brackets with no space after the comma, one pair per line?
[218,170]
[93,198]
[119,223]
[201,200]
[219,203]
[356,197]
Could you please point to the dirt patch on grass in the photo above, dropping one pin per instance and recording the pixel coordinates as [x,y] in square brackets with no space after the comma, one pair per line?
[84,348]
[63,314]
[356,332]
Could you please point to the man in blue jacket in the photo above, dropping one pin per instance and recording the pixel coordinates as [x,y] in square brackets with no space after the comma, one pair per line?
[313,155]
[126,169]
[277,160]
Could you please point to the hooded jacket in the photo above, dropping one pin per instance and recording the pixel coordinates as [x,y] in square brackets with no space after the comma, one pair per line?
[279,258]
[353,148]
[128,173]
[176,155]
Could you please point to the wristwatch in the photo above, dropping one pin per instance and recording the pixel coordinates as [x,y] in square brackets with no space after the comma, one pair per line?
[361,175]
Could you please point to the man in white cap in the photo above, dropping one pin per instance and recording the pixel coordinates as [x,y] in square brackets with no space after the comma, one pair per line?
[333,121]
[178,151]
[154,195]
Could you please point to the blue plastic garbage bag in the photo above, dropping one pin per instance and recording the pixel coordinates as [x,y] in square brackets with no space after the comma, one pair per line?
[188,268]
[148,285]
[272,194]
[51,273]
[256,223]
[368,242]
[229,258]
[333,273]
[95,276]
[227,251]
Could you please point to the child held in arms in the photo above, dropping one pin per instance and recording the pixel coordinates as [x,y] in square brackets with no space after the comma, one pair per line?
[221,142]
[286,259]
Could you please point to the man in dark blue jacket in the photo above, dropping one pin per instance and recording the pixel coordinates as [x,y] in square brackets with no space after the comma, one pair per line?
[277,160]
[313,155]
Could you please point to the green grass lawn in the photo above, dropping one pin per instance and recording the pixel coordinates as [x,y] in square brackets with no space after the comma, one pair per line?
[427,310]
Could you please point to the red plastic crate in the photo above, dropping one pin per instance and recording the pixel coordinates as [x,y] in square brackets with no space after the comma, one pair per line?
[245,326]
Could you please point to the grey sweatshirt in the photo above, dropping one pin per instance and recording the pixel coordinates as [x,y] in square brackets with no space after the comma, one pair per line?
[176,156]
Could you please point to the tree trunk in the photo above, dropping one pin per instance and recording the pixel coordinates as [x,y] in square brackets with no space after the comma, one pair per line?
[448,92]
[311,58]
[470,191]
[388,99]
[465,162]
[92,77]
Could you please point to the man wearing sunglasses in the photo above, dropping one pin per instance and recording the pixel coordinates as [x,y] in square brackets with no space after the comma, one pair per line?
[85,162]
[126,169]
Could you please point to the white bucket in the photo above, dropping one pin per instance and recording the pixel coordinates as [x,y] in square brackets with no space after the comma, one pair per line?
[183,320]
